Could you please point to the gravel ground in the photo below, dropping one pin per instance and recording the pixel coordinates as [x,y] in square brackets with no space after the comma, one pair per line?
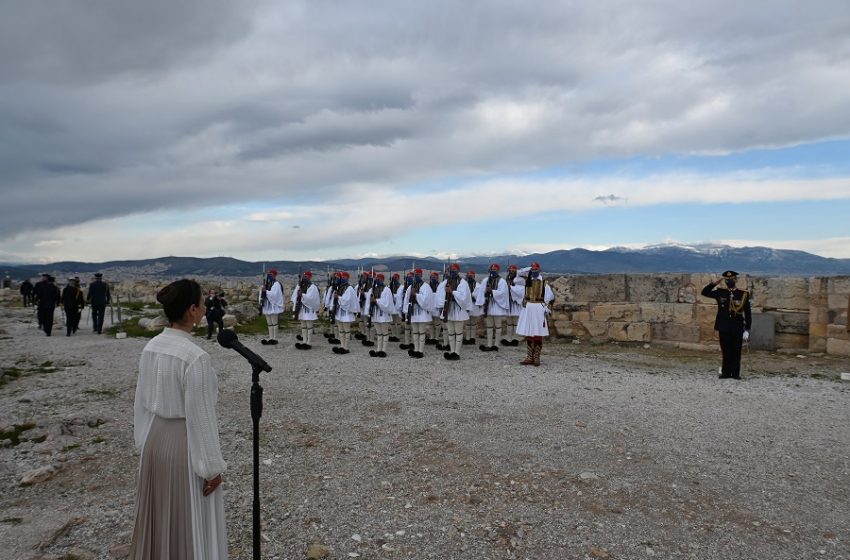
[603,452]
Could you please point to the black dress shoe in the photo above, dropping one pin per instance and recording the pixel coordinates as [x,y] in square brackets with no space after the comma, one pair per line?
[327,335]
[393,339]
[344,351]
[430,341]
[472,341]
[334,341]
[336,349]
[264,342]
[420,355]
[494,349]
[298,346]
[373,353]
[368,343]
[273,341]
[515,342]
[381,354]
[455,355]
[299,337]
[447,355]
[360,336]
[484,348]
[411,353]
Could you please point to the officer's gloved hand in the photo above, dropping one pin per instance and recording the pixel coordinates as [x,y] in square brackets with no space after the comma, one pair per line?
[746,336]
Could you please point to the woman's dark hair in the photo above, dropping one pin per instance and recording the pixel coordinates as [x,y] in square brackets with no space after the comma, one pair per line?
[177,297]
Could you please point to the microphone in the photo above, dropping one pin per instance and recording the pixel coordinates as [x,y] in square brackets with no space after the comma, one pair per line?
[228,339]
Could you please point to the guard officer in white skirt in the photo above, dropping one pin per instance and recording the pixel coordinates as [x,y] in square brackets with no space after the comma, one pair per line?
[305,305]
[533,320]
[419,304]
[455,299]
[382,308]
[347,307]
[514,310]
[474,309]
[495,306]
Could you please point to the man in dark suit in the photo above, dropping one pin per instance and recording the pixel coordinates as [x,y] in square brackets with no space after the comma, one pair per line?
[98,297]
[733,322]
[46,297]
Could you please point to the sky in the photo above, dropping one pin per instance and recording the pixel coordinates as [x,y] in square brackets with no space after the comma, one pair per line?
[267,130]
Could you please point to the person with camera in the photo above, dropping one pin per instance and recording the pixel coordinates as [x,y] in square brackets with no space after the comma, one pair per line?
[214,305]
[733,321]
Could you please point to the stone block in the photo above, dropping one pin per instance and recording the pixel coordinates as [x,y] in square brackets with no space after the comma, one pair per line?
[837,331]
[653,287]
[580,316]
[781,293]
[817,344]
[705,314]
[819,314]
[596,329]
[615,312]
[837,301]
[635,332]
[818,286]
[817,330]
[839,285]
[683,313]
[654,312]
[707,332]
[676,333]
[838,347]
[792,341]
[599,287]
[793,323]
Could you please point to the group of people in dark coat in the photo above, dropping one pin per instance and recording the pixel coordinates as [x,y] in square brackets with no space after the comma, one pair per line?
[46,297]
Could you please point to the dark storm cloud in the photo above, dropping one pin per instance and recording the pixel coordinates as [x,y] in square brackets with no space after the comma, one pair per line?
[110,108]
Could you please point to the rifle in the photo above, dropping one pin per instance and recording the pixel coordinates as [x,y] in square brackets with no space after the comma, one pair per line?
[488,294]
[266,286]
[335,308]
[449,299]
[297,308]
[414,289]
[372,306]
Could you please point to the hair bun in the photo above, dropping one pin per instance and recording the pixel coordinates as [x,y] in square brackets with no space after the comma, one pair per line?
[167,294]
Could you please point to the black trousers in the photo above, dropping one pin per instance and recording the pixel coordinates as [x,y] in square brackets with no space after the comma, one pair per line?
[45,318]
[731,344]
[72,319]
[97,313]
[27,300]
[211,321]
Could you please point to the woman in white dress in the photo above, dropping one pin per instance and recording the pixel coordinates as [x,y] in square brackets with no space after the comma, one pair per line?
[179,506]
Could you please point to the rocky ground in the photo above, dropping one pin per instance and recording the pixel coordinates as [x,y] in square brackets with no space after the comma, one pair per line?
[603,452]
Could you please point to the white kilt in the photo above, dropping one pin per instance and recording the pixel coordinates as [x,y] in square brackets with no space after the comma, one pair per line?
[533,320]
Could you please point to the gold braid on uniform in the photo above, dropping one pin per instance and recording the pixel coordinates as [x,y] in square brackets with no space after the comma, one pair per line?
[737,308]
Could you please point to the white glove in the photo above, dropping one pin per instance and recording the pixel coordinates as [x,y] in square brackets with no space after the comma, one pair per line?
[746,336]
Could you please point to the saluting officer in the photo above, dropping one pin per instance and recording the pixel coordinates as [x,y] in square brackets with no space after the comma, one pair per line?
[733,322]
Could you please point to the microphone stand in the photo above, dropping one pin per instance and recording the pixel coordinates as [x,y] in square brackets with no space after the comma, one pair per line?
[256,413]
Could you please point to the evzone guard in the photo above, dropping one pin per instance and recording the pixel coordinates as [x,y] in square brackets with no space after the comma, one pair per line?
[364,286]
[328,304]
[418,303]
[382,307]
[536,297]
[305,304]
[514,309]
[496,306]
[346,307]
[455,300]
[471,325]
[271,304]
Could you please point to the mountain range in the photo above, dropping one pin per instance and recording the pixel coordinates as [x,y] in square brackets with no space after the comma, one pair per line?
[652,259]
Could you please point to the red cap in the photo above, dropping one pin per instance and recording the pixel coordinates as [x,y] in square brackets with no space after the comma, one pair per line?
[308,274]
[367,273]
[470,273]
[337,274]
[512,267]
[396,276]
[272,271]
[535,266]
[454,266]
[379,276]
[410,273]
[435,274]
[345,275]
[495,266]
[418,271]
